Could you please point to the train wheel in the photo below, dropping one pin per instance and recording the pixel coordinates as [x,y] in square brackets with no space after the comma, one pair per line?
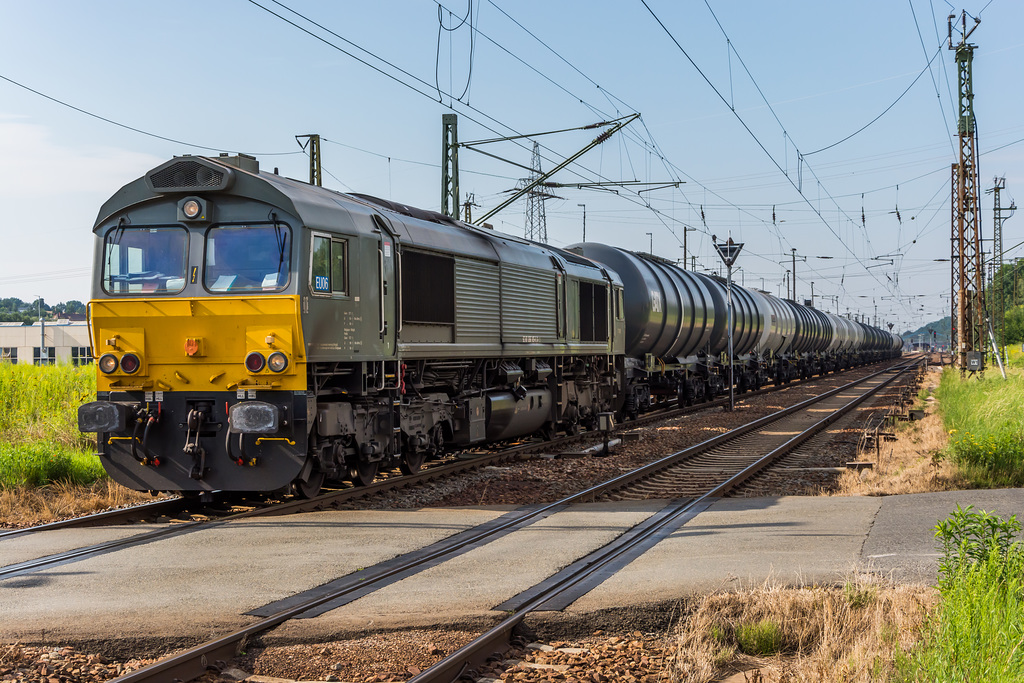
[310,487]
[363,474]
[412,461]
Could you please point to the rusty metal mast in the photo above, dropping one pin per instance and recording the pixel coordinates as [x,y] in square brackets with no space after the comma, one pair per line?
[967,301]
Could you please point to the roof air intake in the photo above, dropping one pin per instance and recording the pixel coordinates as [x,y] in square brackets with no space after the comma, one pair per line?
[188,175]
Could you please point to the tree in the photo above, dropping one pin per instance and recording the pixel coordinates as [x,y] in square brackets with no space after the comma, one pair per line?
[1013,325]
[74,306]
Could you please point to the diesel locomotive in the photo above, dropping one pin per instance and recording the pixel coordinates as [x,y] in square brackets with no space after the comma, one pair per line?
[258,333]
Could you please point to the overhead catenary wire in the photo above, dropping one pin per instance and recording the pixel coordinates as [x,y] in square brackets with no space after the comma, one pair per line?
[753,135]
[424,86]
[884,112]
[938,96]
[133,128]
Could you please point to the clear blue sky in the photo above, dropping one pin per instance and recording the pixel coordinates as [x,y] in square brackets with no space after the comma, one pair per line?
[229,75]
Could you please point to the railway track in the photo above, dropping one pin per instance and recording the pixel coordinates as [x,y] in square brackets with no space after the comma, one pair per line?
[787,429]
[186,511]
[189,516]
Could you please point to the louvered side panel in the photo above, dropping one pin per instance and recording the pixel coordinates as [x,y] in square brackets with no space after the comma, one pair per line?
[528,305]
[477,312]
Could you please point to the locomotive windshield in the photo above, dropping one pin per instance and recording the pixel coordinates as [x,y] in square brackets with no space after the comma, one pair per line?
[144,260]
[247,258]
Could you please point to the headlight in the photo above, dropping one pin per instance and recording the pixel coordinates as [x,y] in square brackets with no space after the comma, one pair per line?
[190,208]
[277,361]
[130,363]
[107,363]
[255,361]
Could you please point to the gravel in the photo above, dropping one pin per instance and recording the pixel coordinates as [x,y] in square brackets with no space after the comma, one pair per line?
[554,476]
[629,657]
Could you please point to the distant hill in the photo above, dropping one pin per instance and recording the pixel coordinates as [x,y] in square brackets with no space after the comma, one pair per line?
[940,327]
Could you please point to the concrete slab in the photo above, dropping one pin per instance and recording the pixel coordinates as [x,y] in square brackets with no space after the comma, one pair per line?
[742,542]
[203,582]
[902,542]
[465,589]
[33,546]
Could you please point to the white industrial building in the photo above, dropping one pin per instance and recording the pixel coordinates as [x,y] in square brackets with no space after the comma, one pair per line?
[62,341]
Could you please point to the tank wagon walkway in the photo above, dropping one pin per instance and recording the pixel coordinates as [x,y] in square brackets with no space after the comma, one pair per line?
[193,585]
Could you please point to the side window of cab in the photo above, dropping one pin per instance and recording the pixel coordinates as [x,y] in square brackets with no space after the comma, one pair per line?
[328,271]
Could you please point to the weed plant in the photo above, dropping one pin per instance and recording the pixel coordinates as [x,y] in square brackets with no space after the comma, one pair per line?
[814,633]
[38,464]
[759,638]
[977,633]
[39,438]
[986,427]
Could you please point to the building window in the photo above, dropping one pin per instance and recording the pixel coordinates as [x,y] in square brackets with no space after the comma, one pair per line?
[81,355]
[9,354]
[49,355]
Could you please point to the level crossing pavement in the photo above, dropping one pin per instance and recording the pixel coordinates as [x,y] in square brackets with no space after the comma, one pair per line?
[202,583]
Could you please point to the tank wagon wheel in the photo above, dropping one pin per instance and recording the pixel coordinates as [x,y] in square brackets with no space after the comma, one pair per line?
[309,487]
[412,461]
[547,432]
[363,473]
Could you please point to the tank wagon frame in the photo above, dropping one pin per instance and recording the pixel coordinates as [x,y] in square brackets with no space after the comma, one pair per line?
[256,332]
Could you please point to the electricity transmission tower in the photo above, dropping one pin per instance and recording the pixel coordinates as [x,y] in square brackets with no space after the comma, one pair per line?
[999,214]
[967,273]
[536,217]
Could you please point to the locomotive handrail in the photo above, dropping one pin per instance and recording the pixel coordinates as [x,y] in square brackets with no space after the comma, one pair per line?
[398,288]
[380,269]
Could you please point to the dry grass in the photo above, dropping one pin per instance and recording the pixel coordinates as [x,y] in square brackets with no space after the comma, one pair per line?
[848,633]
[910,464]
[24,506]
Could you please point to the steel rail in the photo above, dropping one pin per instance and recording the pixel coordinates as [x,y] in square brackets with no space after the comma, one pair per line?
[106,517]
[452,668]
[195,661]
[332,499]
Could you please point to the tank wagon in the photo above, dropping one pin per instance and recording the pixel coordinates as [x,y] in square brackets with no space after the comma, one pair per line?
[676,333]
[255,333]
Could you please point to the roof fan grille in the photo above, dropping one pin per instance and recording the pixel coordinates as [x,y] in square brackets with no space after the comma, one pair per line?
[187,174]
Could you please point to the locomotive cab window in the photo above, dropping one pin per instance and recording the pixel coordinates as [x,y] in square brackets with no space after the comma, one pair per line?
[147,260]
[247,258]
[328,271]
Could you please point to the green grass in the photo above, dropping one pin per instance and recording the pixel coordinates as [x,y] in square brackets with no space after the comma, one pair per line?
[41,463]
[39,438]
[759,639]
[986,427]
[977,634]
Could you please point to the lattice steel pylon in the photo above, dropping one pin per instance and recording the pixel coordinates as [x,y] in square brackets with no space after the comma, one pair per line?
[998,279]
[316,176]
[536,216]
[450,165]
[967,299]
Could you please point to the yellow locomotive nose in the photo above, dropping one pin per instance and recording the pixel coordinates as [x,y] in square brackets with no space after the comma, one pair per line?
[162,343]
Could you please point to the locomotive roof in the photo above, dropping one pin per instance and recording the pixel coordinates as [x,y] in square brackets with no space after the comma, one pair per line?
[325,209]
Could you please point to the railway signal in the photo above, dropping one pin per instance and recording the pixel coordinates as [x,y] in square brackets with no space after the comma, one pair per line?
[729,251]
